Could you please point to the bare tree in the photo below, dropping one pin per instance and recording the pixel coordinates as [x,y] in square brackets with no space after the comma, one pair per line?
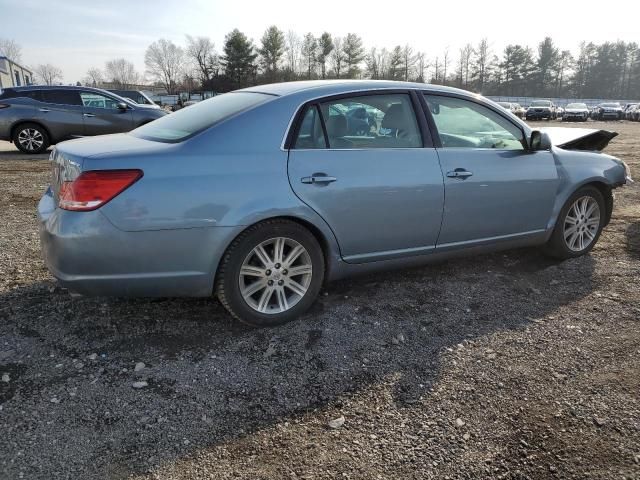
[202,53]
[165,62]
[421,67]
[10,49]
[121,72]
[464,70]
[408,61]
[48,74]
[337,56]
[445,63]
[94,77]
[309,52]
[481,64]
[292,48]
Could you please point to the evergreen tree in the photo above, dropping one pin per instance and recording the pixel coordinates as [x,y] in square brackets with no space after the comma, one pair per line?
[353,54]
[239,59]
[271,51]
[325,47]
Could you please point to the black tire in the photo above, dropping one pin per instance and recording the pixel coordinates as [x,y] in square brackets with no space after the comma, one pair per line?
[34,132]
[228,278]
[557,246]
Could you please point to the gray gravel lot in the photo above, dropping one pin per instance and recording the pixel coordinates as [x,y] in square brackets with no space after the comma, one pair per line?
[501,366]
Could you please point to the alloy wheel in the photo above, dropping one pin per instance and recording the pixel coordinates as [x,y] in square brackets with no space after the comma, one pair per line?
[275,275]
[581,223]
[30,139]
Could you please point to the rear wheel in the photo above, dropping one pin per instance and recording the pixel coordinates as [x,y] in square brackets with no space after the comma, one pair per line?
[271,273]
[579,224]
[31,138]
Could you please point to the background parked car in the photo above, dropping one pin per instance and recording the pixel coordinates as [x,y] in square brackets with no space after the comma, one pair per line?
[608,111]
[634,115]
[519,110]
[137,96]
[511,107]
[35,117]
[576,112]
[628,109]
[541,110]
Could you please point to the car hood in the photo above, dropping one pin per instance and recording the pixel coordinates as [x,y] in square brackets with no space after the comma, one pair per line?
[579,138]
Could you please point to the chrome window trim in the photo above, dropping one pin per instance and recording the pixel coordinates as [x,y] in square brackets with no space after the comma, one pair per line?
[472,97]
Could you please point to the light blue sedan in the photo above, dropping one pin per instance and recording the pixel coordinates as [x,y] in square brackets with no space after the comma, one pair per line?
[259,196]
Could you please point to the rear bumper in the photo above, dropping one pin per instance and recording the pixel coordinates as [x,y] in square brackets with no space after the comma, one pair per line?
[538,115]
[88,255]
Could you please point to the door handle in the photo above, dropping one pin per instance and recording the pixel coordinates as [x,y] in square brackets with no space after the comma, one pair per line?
[460,173]
[319,178]
[44,110]
[89,115]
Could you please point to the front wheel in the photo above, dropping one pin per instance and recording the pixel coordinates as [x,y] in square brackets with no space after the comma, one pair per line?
[271,273]
[31,138]
[579,224]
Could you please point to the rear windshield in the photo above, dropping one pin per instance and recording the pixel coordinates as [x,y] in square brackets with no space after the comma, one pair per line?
[541,103]
[577,105]
[186,122]
[610,105]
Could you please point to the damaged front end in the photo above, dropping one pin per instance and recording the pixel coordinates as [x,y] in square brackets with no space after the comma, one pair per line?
[584,139]
[587,139]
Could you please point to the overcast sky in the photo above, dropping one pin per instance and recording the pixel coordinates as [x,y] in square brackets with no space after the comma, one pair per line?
[76,35]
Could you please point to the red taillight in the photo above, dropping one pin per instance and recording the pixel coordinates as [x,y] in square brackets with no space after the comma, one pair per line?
[93,189]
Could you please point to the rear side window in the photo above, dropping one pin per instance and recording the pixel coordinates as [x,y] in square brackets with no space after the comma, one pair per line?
[363,122]
[311,134]
[62,97]
[33,94]
[194,119]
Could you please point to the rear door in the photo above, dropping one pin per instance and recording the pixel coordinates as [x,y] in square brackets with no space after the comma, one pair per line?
[61,113]
[495,188]
[102,115]
[377,183]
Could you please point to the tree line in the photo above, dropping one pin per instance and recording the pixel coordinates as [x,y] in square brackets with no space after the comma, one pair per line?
[606,70]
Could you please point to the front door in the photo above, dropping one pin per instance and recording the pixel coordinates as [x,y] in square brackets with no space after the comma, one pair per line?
[371,179]
[495,188]
[102,115]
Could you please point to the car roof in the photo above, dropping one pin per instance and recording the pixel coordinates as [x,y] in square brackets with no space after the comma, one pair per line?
[320,87]
[56,87]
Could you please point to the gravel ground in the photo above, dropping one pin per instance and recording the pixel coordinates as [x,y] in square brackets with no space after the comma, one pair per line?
[501,366]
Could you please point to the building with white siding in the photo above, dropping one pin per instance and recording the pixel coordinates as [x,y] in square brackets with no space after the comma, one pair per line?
[13,75]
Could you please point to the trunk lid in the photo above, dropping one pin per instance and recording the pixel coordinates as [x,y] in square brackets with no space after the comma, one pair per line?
[579,138]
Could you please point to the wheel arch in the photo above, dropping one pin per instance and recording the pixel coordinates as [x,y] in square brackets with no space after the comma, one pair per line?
[15,126]
[325,238]
[600,183]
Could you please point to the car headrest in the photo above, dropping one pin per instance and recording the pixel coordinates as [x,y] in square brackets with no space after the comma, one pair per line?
[395,118]
[337,126]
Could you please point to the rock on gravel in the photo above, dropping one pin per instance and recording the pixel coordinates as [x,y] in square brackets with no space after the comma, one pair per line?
[336,422]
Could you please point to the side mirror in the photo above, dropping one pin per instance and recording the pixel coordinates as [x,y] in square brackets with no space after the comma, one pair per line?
[122,106]
[539,141]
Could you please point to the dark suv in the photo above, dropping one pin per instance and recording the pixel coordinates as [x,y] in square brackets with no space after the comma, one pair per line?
[35,117]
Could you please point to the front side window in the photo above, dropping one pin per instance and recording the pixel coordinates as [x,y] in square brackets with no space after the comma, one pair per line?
[373,121]
[466,124]
[95,100]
